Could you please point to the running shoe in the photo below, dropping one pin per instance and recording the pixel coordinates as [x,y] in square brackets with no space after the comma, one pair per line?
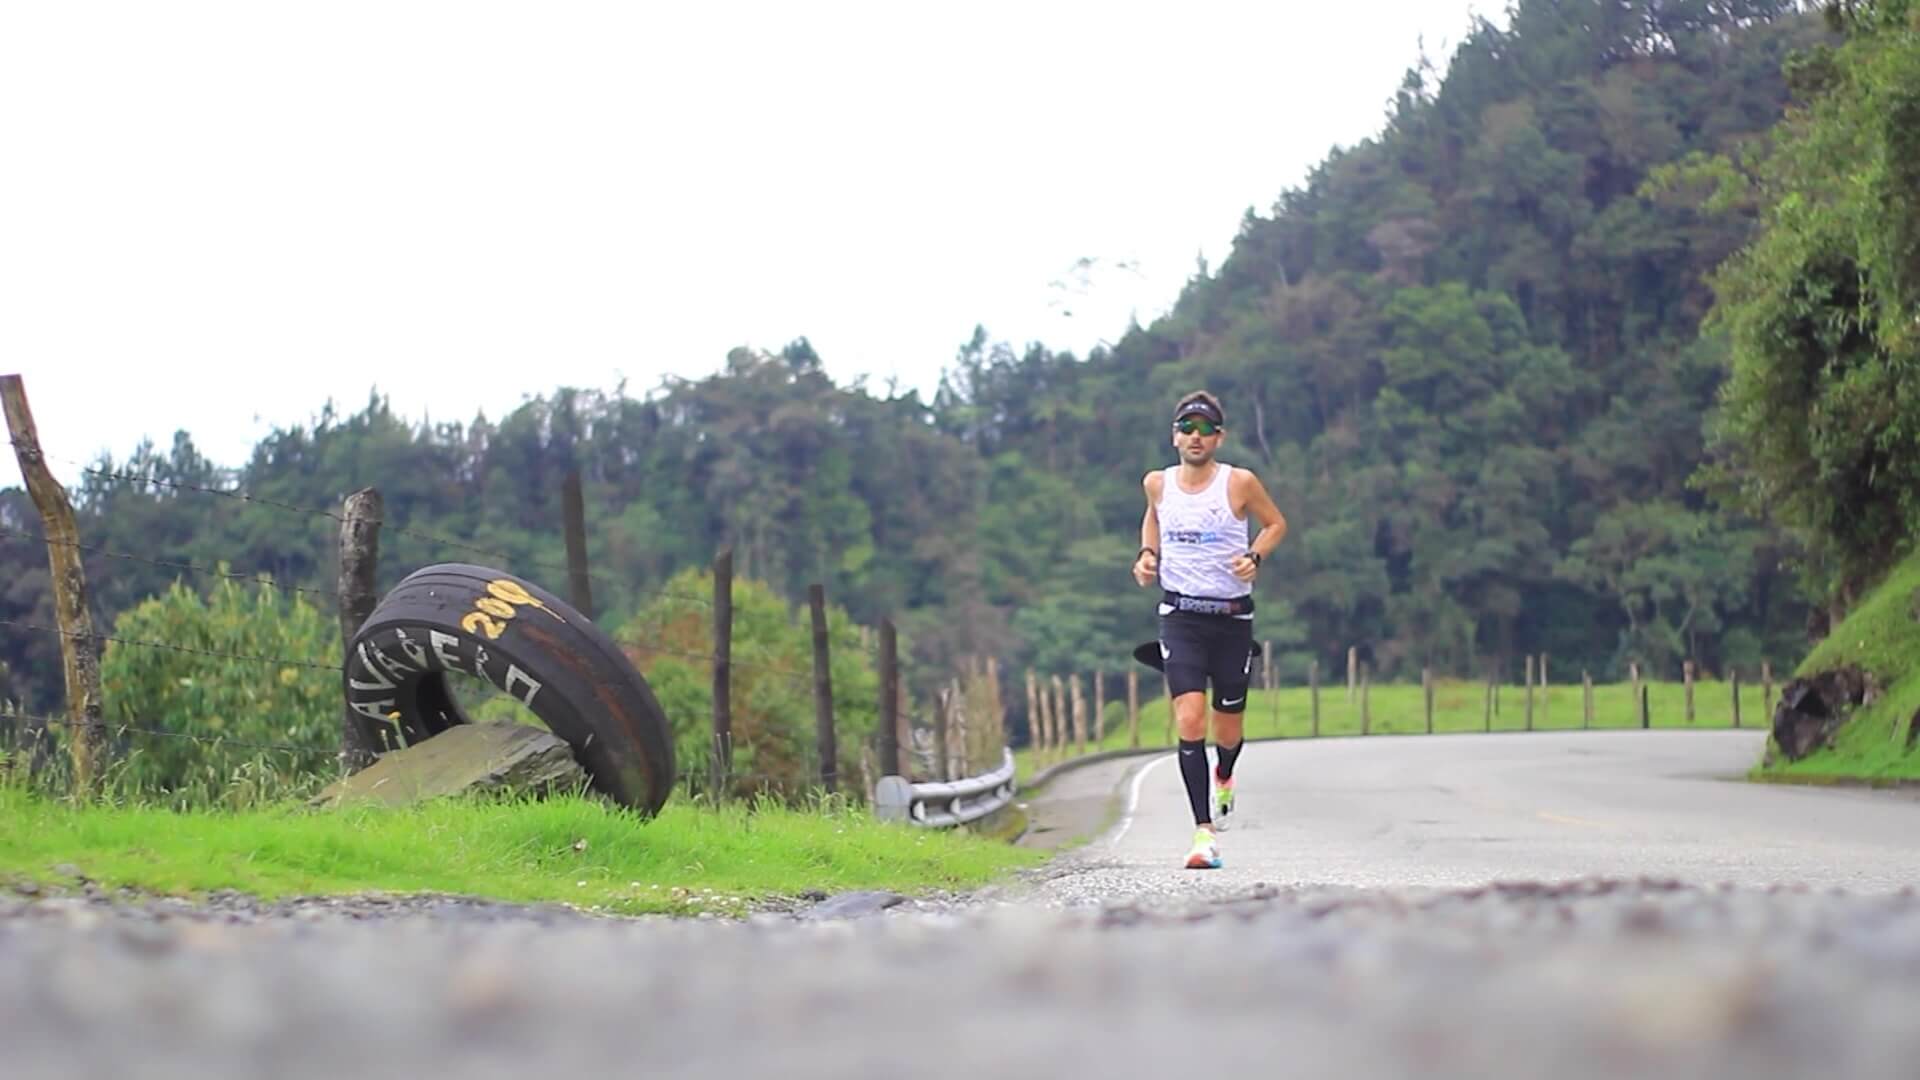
[1206,852]
[1222,797]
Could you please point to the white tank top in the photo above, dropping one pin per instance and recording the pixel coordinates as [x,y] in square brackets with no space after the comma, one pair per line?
[1199,536]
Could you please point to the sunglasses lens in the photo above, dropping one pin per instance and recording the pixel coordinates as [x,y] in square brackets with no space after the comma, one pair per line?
[1191,426]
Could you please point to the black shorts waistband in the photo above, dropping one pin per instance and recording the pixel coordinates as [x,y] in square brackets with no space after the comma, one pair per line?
[1207,605]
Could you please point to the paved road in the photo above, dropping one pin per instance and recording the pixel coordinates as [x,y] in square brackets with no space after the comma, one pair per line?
[1339,943]
[1463,810]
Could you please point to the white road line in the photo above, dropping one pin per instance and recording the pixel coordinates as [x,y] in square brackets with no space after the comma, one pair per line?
[1133,798]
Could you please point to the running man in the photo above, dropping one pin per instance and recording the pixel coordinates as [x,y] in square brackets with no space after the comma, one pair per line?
[1198,510]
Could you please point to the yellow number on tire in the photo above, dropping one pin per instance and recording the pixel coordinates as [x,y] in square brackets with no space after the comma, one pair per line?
[495,607]
[477,622]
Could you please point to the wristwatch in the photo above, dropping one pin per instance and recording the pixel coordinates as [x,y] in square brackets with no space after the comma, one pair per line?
[1254,555]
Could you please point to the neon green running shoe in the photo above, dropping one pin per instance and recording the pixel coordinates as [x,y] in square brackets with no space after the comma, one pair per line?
[1206,851]
[1222,797]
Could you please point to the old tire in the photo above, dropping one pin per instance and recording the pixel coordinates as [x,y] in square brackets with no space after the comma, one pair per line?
[531,645]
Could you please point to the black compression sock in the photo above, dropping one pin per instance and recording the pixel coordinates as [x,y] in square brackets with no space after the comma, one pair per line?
[1228,755]
[1193,769]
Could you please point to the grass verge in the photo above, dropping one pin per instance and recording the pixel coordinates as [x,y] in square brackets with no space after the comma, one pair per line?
[1881,636]
[572,850]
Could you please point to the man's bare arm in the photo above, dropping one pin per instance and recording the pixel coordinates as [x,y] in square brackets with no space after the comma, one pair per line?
[1251,496]
[1146,564]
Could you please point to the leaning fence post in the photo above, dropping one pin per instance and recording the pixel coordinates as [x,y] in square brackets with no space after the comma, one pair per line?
[79,650]
[823,734]
[722,671]
[360,740]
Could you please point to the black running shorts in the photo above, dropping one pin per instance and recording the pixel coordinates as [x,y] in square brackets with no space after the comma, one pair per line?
[1198,649]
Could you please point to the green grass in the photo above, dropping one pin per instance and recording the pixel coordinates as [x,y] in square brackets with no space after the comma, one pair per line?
[1881,636]
[573,850]
[1458,706]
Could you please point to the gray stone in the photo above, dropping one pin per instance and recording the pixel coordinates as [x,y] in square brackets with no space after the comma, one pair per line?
[466,757]
[853,905]
[1812,709]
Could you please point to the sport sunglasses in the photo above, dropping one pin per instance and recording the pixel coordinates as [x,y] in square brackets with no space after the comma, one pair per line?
[1189,425]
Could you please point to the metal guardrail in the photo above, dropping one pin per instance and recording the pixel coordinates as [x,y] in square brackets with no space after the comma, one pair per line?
[944,804]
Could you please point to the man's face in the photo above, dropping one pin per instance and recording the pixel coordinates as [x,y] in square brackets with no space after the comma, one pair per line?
[1197,439]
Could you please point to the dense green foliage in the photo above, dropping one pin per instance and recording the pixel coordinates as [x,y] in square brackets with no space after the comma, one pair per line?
[1821,416]
[1464,355]
[243,706]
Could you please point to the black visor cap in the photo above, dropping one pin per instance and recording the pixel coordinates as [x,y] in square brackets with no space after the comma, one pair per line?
[1200,408]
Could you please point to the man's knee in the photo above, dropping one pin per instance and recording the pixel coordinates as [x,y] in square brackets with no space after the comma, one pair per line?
[1190,715]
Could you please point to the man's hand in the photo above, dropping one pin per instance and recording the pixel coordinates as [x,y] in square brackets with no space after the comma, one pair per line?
[1243,567]
[1146,568]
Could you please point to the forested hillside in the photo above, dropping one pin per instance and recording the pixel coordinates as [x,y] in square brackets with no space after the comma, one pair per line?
[1465,356]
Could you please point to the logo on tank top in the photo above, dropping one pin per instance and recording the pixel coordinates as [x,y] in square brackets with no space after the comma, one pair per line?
[1193,536]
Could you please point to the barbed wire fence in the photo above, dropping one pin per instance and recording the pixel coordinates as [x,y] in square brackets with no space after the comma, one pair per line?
[908,745]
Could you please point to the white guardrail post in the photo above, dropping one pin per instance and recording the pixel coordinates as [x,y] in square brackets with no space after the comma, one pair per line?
[938,805]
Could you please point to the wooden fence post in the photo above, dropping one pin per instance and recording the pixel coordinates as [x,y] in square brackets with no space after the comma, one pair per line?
[573,514]
[823,734]
[889,701]
[1487,708]
[1586,699]
[1426,692]
[79,650]
[1546,693]
[1734,677]
[1529,691]
[945,700]
[1266,665]
[722,672]
[1646,707]
[1133,708]
[1079,706]
[1036,735]
[1687,674]
[1062,719]
[1099,708]
[1313,693]
[1366,714]
[1353,674]
[1766,690]
[361,737]
[1633,674]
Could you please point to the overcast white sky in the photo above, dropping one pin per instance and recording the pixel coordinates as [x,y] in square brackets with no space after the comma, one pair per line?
[217,216]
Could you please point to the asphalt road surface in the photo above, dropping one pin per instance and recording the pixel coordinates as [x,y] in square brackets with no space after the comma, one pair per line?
[1563,906]
[1463,810]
